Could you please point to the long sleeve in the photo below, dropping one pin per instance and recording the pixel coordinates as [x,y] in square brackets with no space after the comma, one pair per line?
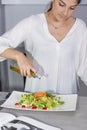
[82,66]
[15,36]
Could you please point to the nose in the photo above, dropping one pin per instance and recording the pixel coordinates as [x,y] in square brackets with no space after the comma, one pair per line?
[65,12]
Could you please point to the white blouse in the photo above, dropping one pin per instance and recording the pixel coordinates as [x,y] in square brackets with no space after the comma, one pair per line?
[63,61]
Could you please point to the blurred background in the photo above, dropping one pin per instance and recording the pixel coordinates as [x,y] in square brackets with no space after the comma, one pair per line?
[11,12]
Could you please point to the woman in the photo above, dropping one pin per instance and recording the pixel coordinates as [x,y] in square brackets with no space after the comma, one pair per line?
[54,39]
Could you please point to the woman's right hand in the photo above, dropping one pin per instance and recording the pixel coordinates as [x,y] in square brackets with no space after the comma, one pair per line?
[23,62]
[25,65]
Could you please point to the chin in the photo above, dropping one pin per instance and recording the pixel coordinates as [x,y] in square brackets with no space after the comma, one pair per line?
[62,18]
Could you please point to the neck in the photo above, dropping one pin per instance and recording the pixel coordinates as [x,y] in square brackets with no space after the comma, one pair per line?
[53,21]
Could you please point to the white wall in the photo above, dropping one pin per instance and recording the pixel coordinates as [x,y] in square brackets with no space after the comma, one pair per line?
[81,12]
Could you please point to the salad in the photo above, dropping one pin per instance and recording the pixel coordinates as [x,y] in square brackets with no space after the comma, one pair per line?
[39,100]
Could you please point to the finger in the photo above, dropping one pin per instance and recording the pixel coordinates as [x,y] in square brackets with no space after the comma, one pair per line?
[23,72]
[28,73]
[33,70]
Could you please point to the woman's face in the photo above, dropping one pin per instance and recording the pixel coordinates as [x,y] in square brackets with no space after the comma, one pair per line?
[63,9]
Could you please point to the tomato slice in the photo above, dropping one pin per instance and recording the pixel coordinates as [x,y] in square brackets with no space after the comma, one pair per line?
[23,106]
[44,108]
[16,104]
[34,107]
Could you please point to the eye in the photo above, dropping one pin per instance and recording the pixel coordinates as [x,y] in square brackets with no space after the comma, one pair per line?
[72,8]
[61,4]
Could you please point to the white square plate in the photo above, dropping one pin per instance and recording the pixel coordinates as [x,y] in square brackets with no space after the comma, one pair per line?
[70,102]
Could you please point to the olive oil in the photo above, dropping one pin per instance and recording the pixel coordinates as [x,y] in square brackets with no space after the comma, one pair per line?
[16,69]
